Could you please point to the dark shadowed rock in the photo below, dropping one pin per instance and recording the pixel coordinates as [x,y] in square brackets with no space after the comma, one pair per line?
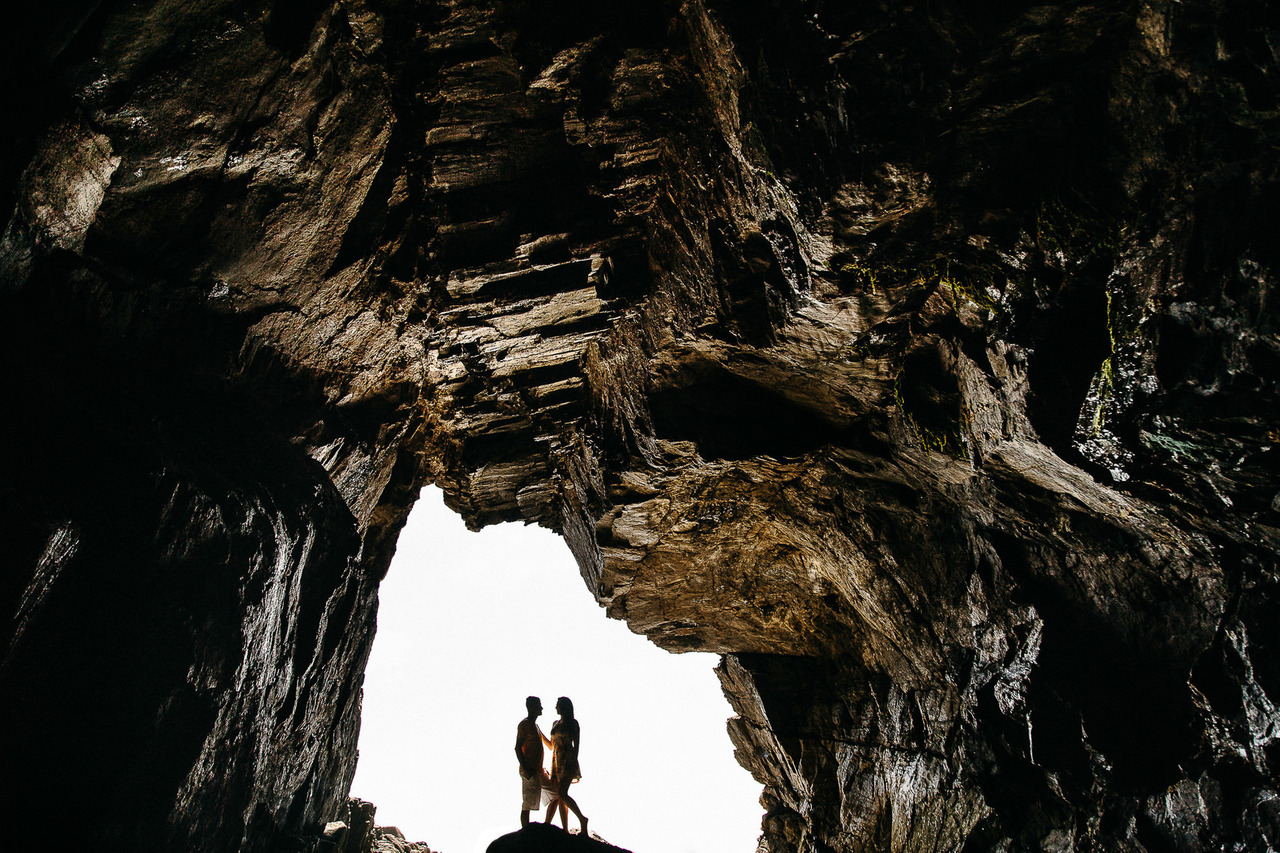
[544,838]
[355,833]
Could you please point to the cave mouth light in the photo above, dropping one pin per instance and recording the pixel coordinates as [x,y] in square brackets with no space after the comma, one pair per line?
[468,626]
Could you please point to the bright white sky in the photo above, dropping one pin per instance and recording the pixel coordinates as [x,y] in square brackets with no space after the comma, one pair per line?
[470,624]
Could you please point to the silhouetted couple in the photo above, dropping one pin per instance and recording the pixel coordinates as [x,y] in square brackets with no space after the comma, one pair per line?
[565,736]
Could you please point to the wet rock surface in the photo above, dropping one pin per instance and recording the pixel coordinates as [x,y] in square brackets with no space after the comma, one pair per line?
[920,360]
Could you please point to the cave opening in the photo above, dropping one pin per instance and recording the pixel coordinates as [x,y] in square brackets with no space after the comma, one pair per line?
[469,624]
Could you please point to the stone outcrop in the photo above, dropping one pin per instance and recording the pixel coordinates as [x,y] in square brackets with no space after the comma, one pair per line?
[919,359]
[545,838]
[356,833]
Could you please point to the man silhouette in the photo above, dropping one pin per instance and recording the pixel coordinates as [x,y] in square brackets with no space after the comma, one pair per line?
[529,742]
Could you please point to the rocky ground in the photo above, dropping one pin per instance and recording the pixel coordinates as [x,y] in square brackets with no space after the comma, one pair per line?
[357,833]
[544,838]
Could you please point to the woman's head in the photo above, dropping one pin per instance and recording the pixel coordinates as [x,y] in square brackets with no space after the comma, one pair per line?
[564,707]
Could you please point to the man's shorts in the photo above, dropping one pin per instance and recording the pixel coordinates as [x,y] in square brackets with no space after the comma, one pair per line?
[533,787]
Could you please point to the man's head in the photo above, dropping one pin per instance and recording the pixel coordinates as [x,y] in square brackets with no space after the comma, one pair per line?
[534,706]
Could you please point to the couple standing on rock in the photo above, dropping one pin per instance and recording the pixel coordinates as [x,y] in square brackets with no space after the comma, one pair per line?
[564,762]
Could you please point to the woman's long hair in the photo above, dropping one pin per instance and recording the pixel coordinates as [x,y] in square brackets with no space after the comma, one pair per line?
[565,706]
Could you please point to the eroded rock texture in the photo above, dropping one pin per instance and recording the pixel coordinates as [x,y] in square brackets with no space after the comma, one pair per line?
[919,358]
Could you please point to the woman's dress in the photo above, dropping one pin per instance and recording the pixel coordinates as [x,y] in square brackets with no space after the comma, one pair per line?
[564,759]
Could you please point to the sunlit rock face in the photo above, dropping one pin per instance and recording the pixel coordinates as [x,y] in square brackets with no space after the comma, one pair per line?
[919,359]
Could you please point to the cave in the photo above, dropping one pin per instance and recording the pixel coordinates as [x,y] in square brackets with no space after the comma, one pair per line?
[918,360]
[455,712]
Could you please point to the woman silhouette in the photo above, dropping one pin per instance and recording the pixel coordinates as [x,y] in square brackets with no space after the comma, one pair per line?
[565,738]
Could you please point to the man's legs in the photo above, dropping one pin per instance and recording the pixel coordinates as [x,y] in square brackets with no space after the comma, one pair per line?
[530,797]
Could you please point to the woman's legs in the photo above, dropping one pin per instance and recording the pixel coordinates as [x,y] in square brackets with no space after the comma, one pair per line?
[551,810]
[566,800]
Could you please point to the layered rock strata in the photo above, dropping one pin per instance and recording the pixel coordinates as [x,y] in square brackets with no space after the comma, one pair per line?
[920,360]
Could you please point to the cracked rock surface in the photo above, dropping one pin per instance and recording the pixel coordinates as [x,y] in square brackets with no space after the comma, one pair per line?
[919,359]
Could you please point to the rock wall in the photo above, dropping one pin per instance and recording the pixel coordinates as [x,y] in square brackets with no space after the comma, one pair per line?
[919,359]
